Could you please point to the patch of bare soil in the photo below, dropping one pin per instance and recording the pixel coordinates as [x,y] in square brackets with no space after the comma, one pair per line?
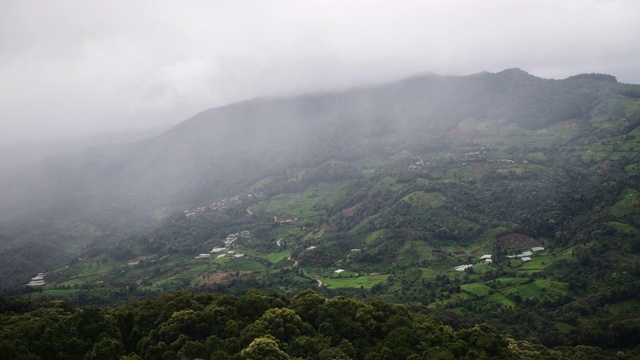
[353,210]
[515,241]
[439,254]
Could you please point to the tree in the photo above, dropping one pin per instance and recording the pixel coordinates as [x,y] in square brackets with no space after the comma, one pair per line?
[263,348]
[306,304]
[282,323]
[106,349]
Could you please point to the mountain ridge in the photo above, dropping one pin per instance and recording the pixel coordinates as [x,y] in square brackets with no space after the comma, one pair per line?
[222,151]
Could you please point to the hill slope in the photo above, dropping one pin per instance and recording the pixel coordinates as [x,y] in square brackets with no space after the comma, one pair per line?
[381,192]
[58,209]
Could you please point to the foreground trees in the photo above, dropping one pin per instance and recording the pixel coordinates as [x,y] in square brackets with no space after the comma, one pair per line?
[256,325]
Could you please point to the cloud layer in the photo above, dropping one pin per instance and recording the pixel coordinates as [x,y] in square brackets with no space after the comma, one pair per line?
[76,67]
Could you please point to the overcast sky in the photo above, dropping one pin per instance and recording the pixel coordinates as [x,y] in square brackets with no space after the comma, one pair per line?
[69,68]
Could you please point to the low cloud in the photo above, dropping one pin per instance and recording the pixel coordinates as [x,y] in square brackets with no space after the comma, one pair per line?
[72,67]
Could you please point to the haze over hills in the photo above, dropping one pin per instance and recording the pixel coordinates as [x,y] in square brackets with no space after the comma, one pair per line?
[16,155]
[221,152]
[394,185]
[272,133]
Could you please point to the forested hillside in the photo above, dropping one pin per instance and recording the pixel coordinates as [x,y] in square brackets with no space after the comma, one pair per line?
[500,203]
[98,195]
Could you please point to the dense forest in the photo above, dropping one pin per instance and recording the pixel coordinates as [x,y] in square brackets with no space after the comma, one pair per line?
[257,325]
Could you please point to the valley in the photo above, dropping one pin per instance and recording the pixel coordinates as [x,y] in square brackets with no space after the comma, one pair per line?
[385,207]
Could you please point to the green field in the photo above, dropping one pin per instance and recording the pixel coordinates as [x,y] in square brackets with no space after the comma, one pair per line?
[277,256]
[365,281]
[476,289]
[305,204]
[56,292]
[564,327]
[428,199]
[621,306]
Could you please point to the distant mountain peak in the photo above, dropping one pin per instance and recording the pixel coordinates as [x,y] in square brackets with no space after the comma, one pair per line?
[514,70]
[594,76]
[515,73]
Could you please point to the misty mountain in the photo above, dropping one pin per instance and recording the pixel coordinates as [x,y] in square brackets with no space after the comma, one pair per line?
[77,199]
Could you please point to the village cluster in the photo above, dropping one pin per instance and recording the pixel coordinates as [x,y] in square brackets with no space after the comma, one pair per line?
[524,256]
[227,249]
[468,157]
[222,204]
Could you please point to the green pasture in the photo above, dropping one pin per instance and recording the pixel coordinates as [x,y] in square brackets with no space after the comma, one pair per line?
[499,298]
[55,293]
[92,270]
[538,289]
[207,266]
[477,289]
[563,327]
[619,307]
[537,263]
[504,282]
[261,183]
[626,205]
[375,235]
[277,256]
[364,281]
[624,228]
[460,311]
[422,250]
[428,199]
[303,204]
